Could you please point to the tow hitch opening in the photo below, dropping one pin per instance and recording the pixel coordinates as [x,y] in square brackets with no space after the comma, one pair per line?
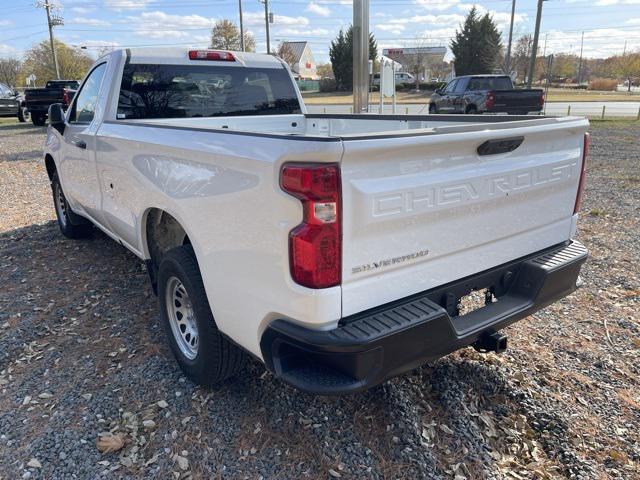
[493,342]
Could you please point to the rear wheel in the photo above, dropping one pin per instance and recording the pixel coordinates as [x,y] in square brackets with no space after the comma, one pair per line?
[471,110]
[38,119]
[203,353]
[23,115]
[71,224]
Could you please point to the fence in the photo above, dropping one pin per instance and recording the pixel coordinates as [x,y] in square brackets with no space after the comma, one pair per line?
[308,85]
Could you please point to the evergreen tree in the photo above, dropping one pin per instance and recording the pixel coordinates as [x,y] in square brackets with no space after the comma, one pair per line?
[341,56]
[477,47]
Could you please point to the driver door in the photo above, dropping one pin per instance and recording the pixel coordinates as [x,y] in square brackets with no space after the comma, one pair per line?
[78,150]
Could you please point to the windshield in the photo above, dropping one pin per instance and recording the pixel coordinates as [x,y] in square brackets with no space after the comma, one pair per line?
[185,91]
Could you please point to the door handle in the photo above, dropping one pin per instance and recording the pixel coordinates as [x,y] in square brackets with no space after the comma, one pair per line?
[79,143]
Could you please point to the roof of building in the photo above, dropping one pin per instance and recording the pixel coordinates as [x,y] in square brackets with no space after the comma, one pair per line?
[297,48]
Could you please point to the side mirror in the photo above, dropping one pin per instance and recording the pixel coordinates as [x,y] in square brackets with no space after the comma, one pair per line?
[438,91]
[56,117]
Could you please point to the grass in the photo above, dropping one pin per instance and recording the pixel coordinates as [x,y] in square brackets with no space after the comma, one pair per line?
[409,97]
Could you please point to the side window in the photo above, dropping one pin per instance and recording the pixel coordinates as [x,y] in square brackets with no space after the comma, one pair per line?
[461,86]
[4,91]
[451,86]
[84,107]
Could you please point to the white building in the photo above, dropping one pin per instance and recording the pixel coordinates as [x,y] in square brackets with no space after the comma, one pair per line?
[304,64]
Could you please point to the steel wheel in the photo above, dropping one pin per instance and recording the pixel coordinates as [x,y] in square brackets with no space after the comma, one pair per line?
[182,318]
[61,205]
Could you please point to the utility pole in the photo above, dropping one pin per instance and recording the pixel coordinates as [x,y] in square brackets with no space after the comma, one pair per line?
[507,61]
[534,48]
[266,22]
[241,27]
[52,21]
[580,61]
[360,56]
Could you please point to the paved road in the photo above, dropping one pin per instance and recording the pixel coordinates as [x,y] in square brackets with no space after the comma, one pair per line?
[612,109]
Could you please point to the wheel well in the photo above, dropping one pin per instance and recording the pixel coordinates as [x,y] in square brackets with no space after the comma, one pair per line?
[163,233]
[471,107]
[50,165]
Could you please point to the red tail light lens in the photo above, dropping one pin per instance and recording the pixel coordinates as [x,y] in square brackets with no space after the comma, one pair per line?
[583,174]
[490,99]
[315,246]
[211,55]
[65,97]
[542,100]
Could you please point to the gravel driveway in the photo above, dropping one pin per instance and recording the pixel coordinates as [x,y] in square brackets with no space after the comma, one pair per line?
[82,353]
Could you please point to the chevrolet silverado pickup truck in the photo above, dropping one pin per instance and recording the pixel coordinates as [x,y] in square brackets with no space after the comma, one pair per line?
[38,100]
[336,249]
[12,104]
[475,94]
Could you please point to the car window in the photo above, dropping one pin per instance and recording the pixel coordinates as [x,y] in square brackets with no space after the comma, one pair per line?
[460,86]
[85,102]
[185,91]
[451,86]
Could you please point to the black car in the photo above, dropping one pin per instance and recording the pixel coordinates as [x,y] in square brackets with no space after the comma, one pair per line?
[12,104]
[38,100]
[475,94]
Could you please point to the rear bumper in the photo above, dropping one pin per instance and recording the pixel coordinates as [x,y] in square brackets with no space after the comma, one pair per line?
[373,346]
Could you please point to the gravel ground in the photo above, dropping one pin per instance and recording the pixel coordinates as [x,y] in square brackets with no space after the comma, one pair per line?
[82,354]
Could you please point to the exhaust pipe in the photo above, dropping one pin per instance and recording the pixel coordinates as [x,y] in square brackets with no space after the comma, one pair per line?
[491,342]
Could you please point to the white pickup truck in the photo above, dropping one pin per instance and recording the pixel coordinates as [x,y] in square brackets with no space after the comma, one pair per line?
[337,249]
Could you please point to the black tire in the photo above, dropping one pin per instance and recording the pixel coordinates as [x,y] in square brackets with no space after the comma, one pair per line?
[471,110]
[38,119]
[23,115]
[433,109]
[216,358]
[71,224]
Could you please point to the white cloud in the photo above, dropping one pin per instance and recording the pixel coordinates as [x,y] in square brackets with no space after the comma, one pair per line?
[163,25]
[5,23]
[606,3]
[257,19]
[318,9]
[119,5]
[437,4]
[8,50]
[394,28]
[82,10]
[94,22]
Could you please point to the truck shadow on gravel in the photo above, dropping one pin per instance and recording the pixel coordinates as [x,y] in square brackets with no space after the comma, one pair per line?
[82,352]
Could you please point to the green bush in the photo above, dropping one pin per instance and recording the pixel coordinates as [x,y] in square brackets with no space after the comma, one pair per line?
[328,85]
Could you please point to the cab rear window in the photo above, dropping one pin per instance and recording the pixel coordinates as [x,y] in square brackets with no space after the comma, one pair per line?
[186,91]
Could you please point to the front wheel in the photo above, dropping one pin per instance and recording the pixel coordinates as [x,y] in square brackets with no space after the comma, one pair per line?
[23,115]
[71,224]
[433,109]
[204,354]
[471,110]
[38,119]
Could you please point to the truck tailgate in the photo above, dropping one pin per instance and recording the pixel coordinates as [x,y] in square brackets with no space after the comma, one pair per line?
[421,211]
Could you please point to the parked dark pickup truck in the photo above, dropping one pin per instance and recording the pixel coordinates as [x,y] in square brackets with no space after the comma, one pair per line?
[475,94]
[38,100]
[12,104]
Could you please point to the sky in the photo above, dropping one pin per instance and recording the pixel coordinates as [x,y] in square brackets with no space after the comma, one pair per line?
[607,24]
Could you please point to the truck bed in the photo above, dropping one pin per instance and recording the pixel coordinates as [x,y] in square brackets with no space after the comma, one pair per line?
[339,126]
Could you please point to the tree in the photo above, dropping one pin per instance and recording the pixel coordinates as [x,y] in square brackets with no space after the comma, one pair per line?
[286,53]
[9,71]
[73,62]
[324,70]
[225,35]
[477,46]
[341,56]
[628,67]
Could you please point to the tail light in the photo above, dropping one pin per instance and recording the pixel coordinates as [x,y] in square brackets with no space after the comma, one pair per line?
[65,97]
[491,98]
[315,246]
[583,174]
[211,55]
[542,100]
